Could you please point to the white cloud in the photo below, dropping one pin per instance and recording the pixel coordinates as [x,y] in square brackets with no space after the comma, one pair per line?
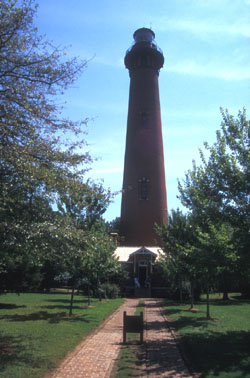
[110,62]
[209,70]
[204,26]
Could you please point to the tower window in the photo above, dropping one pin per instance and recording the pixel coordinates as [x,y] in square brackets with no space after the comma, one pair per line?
[149,61]
[144,119]
[143,187]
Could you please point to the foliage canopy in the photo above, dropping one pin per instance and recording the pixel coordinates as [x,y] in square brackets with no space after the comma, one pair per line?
[217,195]
[47,207]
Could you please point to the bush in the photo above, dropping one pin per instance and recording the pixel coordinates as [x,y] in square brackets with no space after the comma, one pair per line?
[111,291]
[174,293]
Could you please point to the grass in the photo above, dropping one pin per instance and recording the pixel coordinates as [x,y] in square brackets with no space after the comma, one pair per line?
[130,353]
[219,347]
[36,331]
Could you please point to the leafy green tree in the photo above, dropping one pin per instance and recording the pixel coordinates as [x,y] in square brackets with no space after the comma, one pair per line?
[203,258]
[206,258]
[218,192]
[84,203]
[89,261]
[179,238]
[43,155]
[101,266]
[88,256]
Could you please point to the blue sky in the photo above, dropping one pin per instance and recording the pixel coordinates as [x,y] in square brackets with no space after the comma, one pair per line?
[206,45]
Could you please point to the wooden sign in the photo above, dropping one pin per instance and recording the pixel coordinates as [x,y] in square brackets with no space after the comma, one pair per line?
[134,324]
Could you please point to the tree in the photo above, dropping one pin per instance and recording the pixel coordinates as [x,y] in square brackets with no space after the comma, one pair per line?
[40,162]
[88,257]
[218,191]
[179,241]
[204,258]
[101,265]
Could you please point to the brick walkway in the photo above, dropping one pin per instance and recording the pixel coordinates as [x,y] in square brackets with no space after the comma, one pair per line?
[96,355]
[163,358]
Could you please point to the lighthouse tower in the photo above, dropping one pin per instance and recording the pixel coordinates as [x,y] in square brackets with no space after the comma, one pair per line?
[144,201]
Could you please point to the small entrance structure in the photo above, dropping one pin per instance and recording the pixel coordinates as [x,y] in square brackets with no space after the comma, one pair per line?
[134,324]
[138,262]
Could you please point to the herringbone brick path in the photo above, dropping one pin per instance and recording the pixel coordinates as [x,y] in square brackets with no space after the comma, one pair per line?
[96,355]
[163,358]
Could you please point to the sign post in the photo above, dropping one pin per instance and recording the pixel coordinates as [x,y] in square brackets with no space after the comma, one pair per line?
[134,324]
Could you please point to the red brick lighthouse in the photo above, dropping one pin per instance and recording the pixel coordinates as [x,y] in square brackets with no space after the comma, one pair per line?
[144,191]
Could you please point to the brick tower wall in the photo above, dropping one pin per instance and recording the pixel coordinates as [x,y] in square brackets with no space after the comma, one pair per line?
[144,191]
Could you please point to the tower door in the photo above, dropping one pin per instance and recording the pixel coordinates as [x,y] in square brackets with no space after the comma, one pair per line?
[142,275]
[143,272]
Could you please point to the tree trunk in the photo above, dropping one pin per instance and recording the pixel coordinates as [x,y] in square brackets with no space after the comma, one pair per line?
[225,280]
[225,295]
[88,296]
[192,294]
[99,290]
[71,300]
[181,294]
[208,303]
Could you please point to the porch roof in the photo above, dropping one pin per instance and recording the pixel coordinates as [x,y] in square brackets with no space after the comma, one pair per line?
[124,253]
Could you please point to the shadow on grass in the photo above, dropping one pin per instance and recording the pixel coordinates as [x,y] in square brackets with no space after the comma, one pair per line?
[12,351]
[240,298]
[173,311]
[131,362]
[234,302]
[66,300]
[213,354]
[63,304]
[10,306]
[216,352]
[208,352]
[193,323]
[44,315]
[51,307]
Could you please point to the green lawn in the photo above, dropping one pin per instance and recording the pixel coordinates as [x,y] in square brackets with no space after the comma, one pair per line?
[219,347]
[36,331]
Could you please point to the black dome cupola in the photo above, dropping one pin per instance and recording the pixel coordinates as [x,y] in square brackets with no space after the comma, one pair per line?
[144,52]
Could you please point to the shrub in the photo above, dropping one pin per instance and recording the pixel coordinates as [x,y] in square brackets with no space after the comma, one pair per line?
[111,291]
